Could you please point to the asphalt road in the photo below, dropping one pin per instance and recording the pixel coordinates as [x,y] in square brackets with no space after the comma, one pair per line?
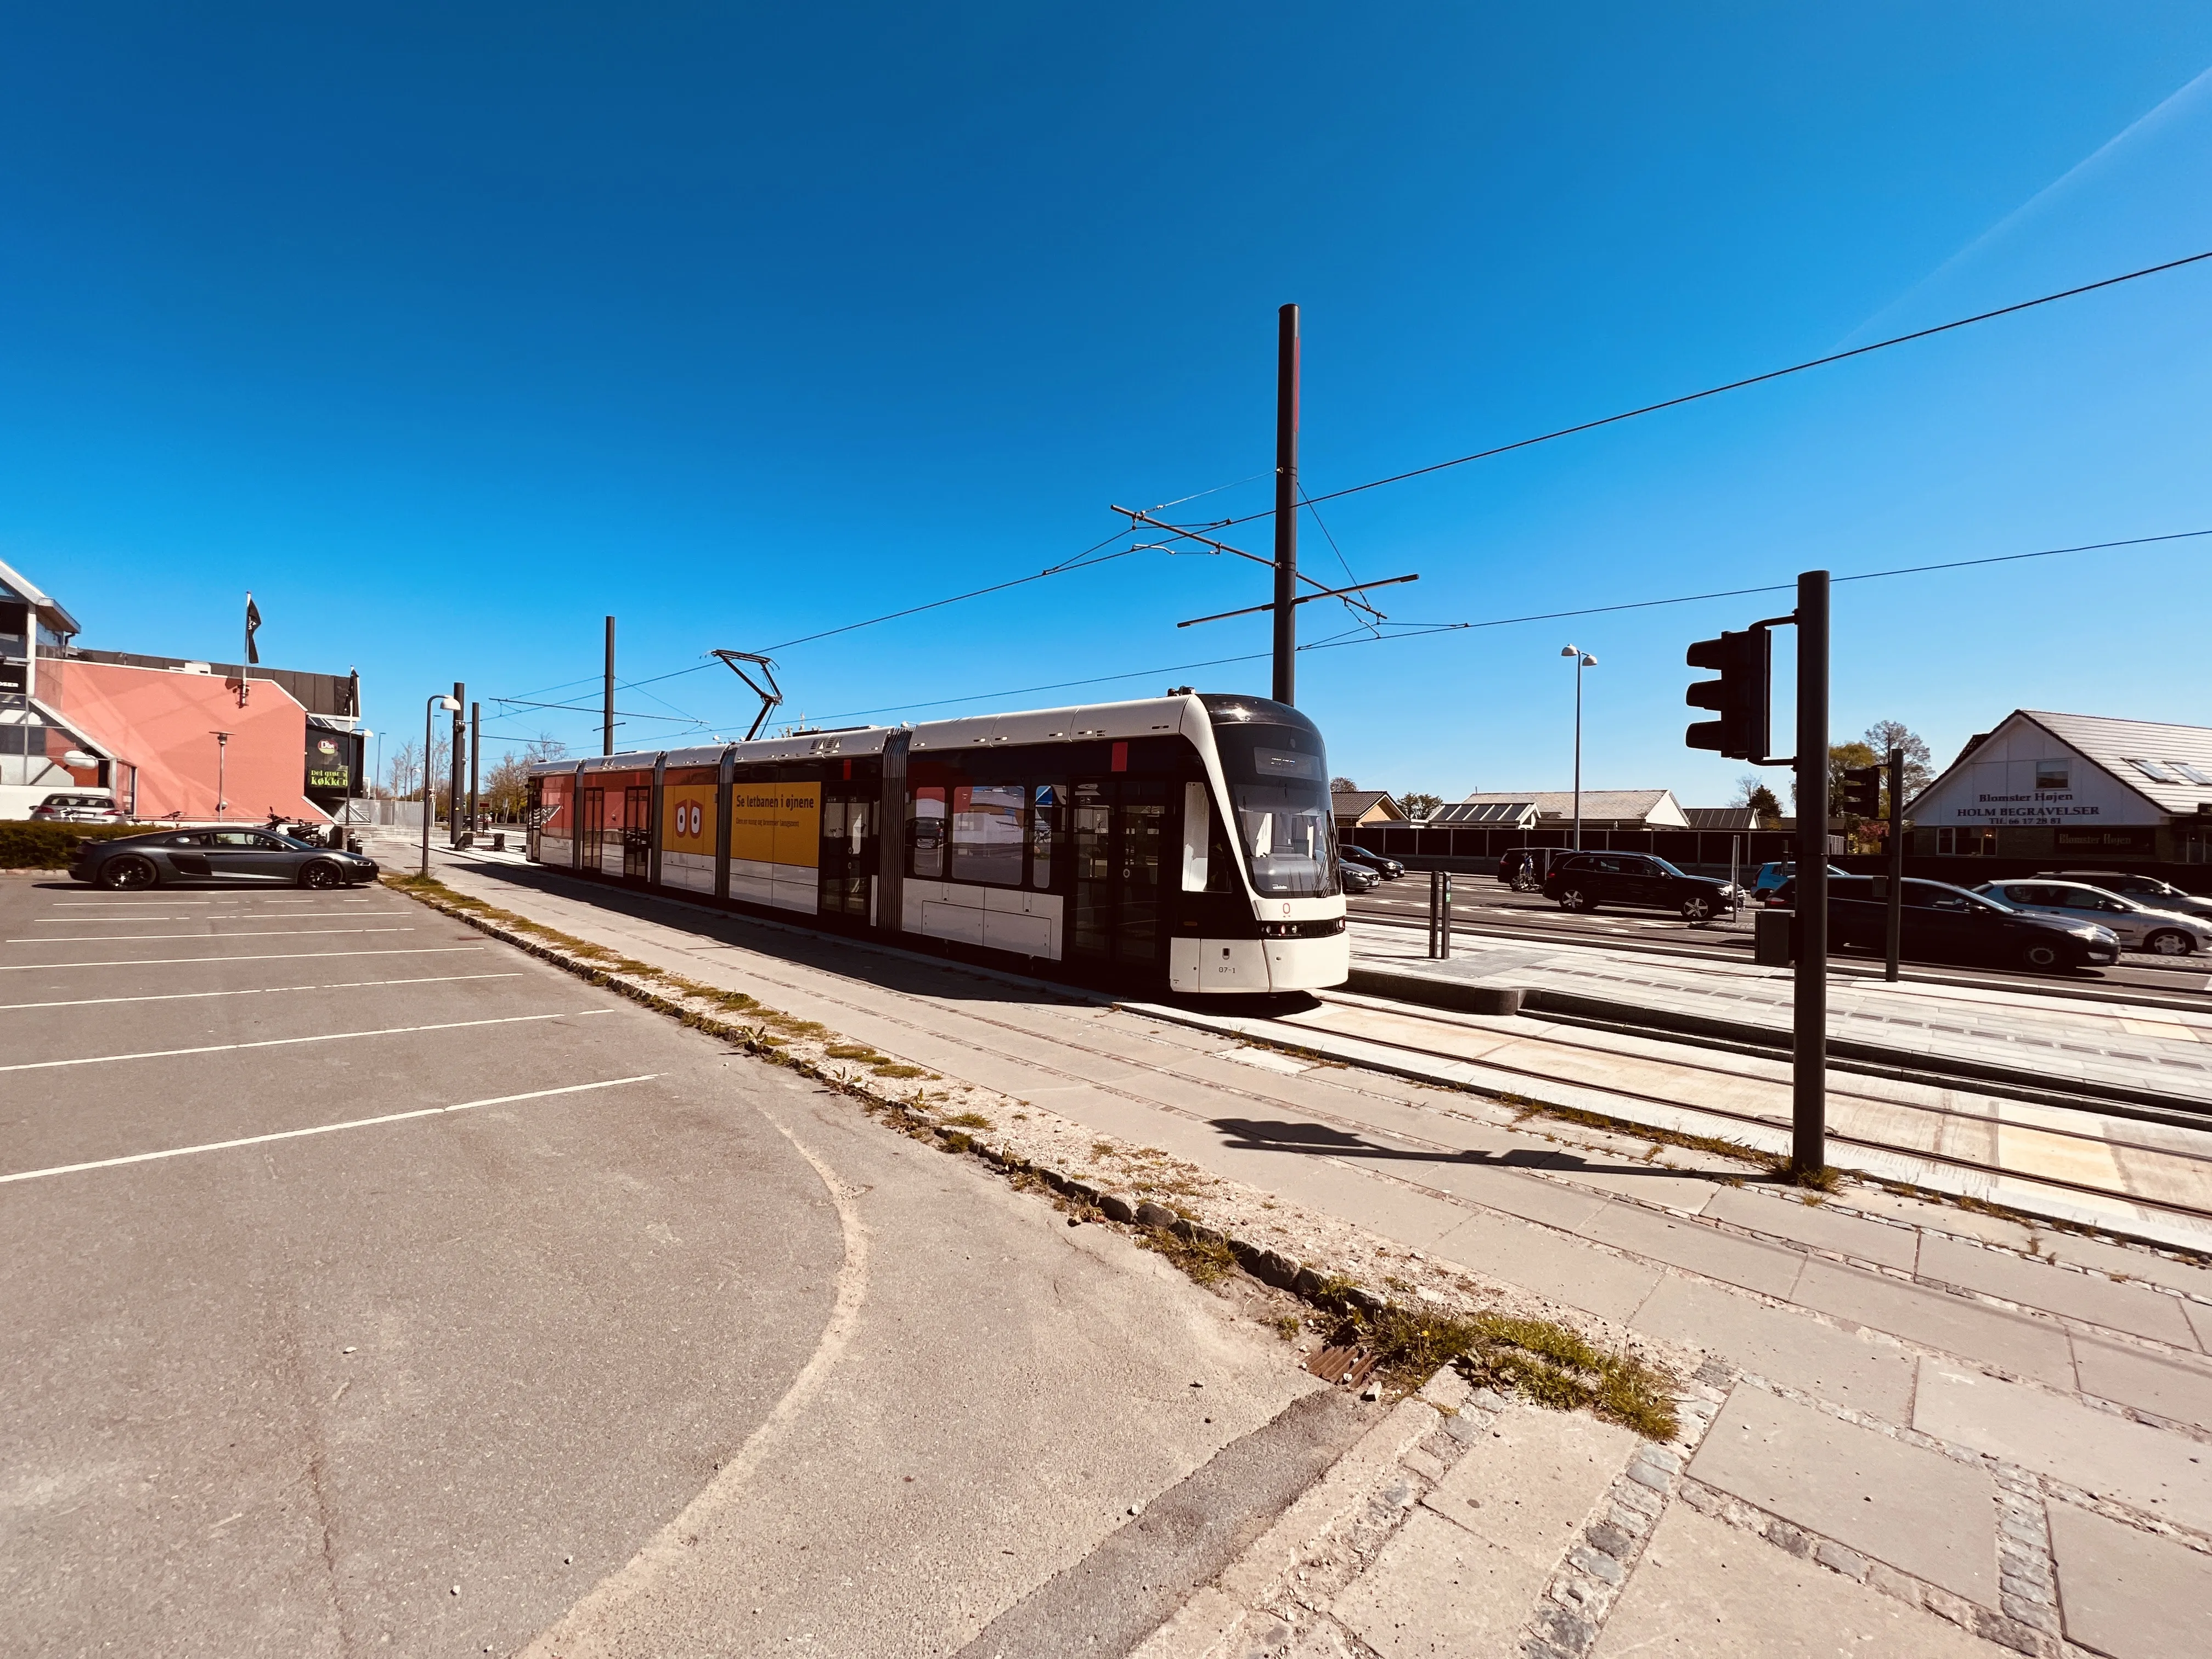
[375,1286]
[1479,903]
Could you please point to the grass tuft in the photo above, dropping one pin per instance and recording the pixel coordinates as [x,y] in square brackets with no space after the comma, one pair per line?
[1549,1364]
[1203,1260]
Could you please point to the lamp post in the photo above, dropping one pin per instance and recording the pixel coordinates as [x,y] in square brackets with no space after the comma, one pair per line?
[430,708]
[221,754]
[1582,660]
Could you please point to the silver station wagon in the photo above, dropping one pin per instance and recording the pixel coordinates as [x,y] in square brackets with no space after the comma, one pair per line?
[2163,933]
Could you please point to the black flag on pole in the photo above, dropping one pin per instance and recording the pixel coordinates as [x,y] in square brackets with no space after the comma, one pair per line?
[253,622]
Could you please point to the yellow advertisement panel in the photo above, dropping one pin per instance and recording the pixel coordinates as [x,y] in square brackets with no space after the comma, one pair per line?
[776,823]
[687,818]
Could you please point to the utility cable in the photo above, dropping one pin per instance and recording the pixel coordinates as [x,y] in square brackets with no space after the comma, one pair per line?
[1737,385]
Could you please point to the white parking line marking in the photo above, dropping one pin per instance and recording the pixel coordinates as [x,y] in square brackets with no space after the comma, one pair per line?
[259,991]
[228,915]
[322,1128]
[271,955]
[265,932]
[283,1043]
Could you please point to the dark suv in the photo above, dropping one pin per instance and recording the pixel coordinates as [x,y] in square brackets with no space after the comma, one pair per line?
[1583,881]
[1941,923]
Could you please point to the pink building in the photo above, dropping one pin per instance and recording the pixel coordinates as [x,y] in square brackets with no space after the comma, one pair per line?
[168,737]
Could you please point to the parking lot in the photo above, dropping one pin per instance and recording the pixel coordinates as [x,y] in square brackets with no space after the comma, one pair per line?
[376,1285]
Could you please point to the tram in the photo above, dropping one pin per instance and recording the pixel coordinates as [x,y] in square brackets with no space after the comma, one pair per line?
[1183,843]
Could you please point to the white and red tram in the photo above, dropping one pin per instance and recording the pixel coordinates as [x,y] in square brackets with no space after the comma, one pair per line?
[1182,843]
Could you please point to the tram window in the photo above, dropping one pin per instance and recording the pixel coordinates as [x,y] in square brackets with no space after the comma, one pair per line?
[986,833]
[1046,828]
[924,831]
[1290,838]
[1197,837]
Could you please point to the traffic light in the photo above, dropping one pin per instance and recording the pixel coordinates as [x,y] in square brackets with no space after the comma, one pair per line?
[1739,696]
[1862,795]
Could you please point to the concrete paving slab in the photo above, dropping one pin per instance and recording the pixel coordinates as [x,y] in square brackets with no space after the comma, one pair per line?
[2036,1284]
[2176,1388]
[1568,1272]
[1706,1590]
[1794,1349]
[1816,1224]
[1917,1510]
[2164,1474]
[2127,1593]
[1772,1269]
[1531,1483]
[2121,1259]
[2200,1324]
[2018,1343]
[1435,1591]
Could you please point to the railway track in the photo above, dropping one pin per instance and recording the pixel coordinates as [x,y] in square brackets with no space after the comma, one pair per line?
[2143,984]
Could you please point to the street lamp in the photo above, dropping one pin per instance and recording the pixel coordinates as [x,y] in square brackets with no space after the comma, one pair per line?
[1582,660]
[222,752]
[430,708]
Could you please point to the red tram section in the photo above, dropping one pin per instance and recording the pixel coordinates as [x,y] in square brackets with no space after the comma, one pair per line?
[1182,844]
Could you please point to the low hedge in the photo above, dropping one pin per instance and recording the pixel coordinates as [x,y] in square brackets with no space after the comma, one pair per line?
[27,846]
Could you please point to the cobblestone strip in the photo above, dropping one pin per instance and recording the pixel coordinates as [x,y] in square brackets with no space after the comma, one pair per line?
[2029,1582]
[1292,1619]
[1566,1624]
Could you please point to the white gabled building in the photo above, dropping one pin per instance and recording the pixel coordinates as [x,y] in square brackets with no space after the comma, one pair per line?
[2072,788]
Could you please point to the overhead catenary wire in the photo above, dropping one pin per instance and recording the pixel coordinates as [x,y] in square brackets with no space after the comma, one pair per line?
[1738,385]
[1416,630]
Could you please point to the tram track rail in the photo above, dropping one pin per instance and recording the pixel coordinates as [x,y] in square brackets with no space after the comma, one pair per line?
[1011,1034]
[2151,995]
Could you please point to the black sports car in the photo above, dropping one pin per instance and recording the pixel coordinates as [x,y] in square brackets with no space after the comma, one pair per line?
[257,858]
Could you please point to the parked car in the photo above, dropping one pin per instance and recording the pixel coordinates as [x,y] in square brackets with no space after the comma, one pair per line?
[1388,869]
[1942,923]
[2143,890]
[253,857]
[1583,881]
[1771,876]
[79,806]
[2164,933]
[1356,878]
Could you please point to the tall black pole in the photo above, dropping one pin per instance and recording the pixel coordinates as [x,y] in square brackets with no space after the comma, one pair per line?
[1895,930]
[1809,1113]
[607,730]
[475,757]
[1286,504]
[455,760]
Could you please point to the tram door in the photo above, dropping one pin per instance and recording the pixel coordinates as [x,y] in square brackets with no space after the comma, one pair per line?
[637,834]
[1117,834]
[848,850]
[591,827]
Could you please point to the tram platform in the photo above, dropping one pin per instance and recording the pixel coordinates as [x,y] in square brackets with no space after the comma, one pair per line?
[1908,1424]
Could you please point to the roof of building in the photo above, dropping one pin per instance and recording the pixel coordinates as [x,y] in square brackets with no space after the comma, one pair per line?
[1357,803]
[2166,764]
[1522,811]
[2123,747]
[1721,818]
[58,618]
[1644,807]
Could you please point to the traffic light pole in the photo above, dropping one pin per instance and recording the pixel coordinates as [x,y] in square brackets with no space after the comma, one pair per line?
[1895,919]
[1809,1022]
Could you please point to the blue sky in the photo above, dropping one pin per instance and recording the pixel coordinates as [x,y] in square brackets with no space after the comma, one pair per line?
[449,330]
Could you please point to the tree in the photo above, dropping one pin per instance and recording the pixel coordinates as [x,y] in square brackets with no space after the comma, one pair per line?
[1919,769]
[1418,804]
[1341,785]
[507,788]
[1752,792]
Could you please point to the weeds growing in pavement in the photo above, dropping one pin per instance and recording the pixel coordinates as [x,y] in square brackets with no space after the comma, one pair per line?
[1548,1364]
[970,1121]
[1203,1260]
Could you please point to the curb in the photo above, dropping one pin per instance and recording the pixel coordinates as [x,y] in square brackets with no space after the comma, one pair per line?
[1867,1059]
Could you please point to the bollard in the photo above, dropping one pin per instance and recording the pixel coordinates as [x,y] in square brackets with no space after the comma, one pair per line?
[1444,916]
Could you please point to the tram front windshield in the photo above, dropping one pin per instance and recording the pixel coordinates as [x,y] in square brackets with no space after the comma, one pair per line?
[1279,784]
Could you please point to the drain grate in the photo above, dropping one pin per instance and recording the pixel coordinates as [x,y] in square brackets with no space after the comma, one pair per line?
[1349,1365]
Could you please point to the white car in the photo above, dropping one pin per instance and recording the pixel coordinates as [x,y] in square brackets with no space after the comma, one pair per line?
[79,806]
[2163,933]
